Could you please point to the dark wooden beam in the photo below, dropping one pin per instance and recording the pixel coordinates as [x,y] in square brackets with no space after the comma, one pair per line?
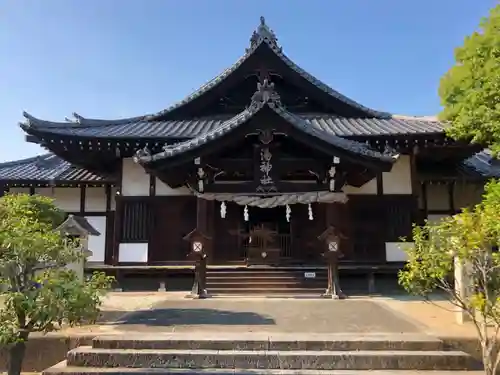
[286,165]
[249,187]
[152,185]
[83,194]
[107,192]
[425,203]
[451,197]
[380,184]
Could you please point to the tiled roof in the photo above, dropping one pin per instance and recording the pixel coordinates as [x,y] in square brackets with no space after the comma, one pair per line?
[266,98]
[339,126]
[479,167]
[48,168]
[482,164]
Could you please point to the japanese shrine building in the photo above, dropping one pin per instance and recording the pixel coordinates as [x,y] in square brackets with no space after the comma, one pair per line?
[264,146]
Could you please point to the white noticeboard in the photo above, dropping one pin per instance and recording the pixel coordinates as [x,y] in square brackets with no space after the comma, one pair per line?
[310,275]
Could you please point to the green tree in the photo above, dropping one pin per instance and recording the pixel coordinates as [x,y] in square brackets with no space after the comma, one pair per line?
[40,295]
[469,238]
[470,91]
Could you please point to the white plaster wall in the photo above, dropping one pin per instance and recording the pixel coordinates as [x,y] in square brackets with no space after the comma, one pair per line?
[133,252]
[394,251]
[67,199]
[97,244]
[19,190]
[467,195]
[369,188]
[437,197]
[135,180]
[398,180]
[164,189]
[95,199]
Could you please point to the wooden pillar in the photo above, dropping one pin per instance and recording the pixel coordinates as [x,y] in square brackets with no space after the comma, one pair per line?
[204,224]
[83,194]
[337,215]
[451,197]
[117,230]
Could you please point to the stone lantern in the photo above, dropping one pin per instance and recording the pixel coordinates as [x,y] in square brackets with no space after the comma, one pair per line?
[198,242]
[331,237]
[79,227]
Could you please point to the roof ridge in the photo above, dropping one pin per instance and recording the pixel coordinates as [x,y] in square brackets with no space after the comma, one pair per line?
[80,122]
[418,118]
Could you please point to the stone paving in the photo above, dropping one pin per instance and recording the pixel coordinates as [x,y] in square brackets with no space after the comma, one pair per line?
[266,315]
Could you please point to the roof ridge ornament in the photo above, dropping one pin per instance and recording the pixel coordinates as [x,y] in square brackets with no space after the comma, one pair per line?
[265,93]
[263,32]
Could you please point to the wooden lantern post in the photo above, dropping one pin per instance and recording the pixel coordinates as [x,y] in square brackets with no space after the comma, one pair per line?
[198,253]
[331,237]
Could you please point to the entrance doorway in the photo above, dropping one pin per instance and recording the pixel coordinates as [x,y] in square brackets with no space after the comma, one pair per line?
[269,235]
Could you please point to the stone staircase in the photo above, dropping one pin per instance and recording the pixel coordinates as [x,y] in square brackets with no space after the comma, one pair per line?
[268,281]
[254,353]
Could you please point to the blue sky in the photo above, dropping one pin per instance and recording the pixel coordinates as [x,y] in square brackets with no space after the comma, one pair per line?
[120,58]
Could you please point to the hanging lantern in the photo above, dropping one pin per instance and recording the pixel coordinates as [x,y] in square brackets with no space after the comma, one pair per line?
[201,176]
[223,210]
[310,211]
[288,213]
[331,179]
[245,213]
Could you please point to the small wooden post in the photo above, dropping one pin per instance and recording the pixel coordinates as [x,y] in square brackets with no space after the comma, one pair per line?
[462,288]
[332,238]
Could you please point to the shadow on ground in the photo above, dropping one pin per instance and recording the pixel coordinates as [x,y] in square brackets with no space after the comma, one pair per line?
[186,317]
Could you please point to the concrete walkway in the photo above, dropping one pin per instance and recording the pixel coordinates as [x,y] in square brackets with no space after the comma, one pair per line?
[171,312]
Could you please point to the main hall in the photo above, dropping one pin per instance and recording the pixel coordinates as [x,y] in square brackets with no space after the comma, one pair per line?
[261,160]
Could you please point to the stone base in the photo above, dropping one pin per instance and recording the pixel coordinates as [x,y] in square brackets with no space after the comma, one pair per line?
[203,295]
[162,287]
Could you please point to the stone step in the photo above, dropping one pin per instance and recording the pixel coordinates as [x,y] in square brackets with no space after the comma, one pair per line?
[264,277]
[299,273]
[278,341]
[264,285]
[267,291]
[246,359]
[62,369]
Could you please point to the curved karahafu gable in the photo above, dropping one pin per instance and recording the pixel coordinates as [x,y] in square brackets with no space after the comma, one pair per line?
[265,98]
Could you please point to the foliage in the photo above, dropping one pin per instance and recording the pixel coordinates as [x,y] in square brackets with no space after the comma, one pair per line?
[470,91]
[41,295]
[467,239]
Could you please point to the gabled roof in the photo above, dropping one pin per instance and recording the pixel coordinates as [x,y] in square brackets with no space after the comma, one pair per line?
[48,169]
[162,125]
[266,98]
[265,36]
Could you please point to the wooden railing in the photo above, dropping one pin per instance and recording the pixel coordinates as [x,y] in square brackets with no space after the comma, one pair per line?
[280,241]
